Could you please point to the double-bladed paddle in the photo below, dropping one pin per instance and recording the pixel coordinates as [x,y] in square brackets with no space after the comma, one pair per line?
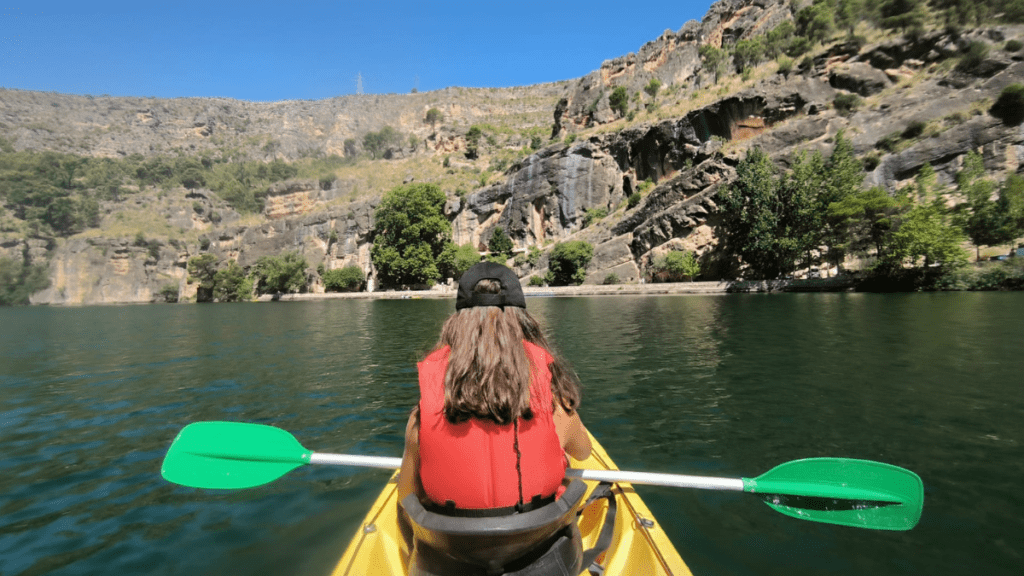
[844,491]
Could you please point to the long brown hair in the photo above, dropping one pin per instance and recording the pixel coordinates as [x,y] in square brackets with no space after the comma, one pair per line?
[488,375]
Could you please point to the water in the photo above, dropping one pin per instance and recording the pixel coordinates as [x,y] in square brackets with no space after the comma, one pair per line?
[90,398]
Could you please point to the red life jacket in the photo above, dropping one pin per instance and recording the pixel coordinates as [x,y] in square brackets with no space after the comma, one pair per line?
[473,463]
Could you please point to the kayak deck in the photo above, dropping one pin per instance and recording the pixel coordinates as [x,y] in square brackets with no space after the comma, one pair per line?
[639,545]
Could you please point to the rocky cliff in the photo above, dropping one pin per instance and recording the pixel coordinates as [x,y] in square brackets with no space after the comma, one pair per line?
[687,149]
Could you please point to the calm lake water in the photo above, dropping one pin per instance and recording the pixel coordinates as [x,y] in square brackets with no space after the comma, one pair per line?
[90,399]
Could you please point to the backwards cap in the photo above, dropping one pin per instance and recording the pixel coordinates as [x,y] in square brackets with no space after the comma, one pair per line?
[511,292]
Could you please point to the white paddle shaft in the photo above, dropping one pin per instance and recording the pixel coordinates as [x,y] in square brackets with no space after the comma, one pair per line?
[653,479]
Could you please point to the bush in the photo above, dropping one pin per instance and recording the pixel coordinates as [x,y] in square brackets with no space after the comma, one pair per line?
[677,265]
[785,65]
[535,281]
[611,279]
[347,279]
[536,143]
[633,201]
[975,54]
[1013,45]
[846,104]
[890,142]
[568,262]
[533,255]
[169,293]
[798,47]
[593,215]
[1010,106]
[914,129]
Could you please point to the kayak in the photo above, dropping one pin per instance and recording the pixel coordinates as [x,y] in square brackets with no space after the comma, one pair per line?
[639,545]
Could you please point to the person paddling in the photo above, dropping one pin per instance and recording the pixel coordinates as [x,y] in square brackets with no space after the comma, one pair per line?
[497,414]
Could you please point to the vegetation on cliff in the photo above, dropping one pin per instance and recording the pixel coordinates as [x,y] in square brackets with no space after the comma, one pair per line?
[770,220]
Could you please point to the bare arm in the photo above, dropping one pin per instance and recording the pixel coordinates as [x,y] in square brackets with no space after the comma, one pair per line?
[571,433]
[409,476]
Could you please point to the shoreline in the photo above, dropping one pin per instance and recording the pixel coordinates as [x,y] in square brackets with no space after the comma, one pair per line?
[666,288]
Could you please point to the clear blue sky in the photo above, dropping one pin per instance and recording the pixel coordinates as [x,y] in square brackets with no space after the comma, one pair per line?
[268,51]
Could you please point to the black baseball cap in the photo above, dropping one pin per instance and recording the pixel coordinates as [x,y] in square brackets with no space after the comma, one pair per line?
[511,292]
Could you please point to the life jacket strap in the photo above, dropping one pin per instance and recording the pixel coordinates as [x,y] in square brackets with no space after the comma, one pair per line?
[449,509]
[604,539]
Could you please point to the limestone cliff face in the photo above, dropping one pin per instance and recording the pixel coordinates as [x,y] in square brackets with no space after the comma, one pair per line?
[673,59]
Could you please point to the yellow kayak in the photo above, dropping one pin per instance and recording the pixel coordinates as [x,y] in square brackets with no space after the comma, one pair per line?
[639,545]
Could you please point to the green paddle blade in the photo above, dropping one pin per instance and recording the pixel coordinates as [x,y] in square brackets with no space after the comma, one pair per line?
[231,455]
[858,493]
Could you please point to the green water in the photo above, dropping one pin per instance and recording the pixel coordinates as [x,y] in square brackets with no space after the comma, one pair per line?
[725,385]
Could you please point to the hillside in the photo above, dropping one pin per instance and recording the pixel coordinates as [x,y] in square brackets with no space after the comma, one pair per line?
[122,192]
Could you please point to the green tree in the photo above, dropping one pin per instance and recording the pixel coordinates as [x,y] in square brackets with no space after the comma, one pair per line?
[765,218]
[816,22]
[377,143]
[778,38]
[349,278]
[18,281]
[902,14]
[714,60]
[922,235]
[848,13]
[988,221]
[473,142]
[568,261]
[350,148]
[411,237]
[652,89]
[231,284]
[466,255]
[500,243]
[866,218]
[280,274]
[748,53]
[433,117]
[203,269]
[844,179]
[192,178]
[619,100]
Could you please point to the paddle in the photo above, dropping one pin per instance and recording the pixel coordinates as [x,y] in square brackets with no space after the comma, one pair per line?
[858,493]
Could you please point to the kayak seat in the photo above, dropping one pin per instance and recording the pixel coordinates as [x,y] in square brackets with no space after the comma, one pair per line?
[541,542]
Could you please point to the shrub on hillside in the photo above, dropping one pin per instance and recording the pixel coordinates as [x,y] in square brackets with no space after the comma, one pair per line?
[975,54]
[846,104]
[1013,45]
[1010,106]
[914,129]
[593,215]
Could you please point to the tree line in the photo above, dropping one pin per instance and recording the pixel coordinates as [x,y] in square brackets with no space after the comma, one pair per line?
[775,221]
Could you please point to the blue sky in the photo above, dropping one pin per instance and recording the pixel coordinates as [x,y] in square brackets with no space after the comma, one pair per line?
[269,51]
